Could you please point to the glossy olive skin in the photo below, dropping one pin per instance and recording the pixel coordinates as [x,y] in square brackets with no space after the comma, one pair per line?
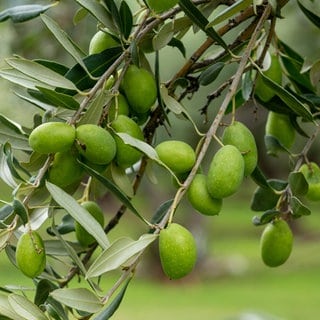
[226,172]
[311,173]
[279,126]
[276,243]
[30,254]
[177,155]
[200,198]
[240,136]
[139,87]
[126,155]
[52,137]
[65,169]
[95,144]
[178,251]
[101,41]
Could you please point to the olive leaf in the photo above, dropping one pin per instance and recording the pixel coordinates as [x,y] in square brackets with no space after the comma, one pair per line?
[315,19]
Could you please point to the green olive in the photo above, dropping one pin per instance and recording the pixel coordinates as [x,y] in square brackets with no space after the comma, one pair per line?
[276,243]
[311,173]
[52,137]
[95,144]
[101,41]
[200,198]
[226,172]
[240,136]
[178,252]
[30,254]
[140,89]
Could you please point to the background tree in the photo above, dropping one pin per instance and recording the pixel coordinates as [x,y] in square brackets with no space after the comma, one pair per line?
[106,119]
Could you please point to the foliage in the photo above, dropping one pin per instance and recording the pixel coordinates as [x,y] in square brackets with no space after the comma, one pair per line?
[82,94]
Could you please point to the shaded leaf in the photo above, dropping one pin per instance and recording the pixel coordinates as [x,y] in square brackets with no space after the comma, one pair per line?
[265,218]
[59,99]
[118,253]
[44,287]
[97,64]
[298,184]
[174,42]
[211,73]
[273,145]
[24,13]
[310,15]
[115,190]
[5,211]
[20,209]
[298,208]
[161,211]
[201,21]
[289,99]
[25,308]
[121,179]
[126,19]
[78,298]
[110,309]
[79,213]
[64,227]
[164,36]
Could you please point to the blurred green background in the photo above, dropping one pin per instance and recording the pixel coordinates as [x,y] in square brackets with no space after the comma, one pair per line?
[230,281]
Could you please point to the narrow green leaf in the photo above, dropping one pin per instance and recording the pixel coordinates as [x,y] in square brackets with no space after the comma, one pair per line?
[21,79]
[110,309]
[115,190]
[98,11]
[201,21]
[64,40]
[5,172]
[122,180]
[118,253]
[289,99]
[164,36]
[298,184]
[44,287]
[126,19]
[6,309]
[78,213]
[59,99]
[41,73]
[176,43]
[5,236]
[11,132]
[110,4]
[274,146]
[5,211]
[97,64]
[161,211]
[310,15]
[78,298]
[20,209]
[211,73]
[24,13]
[95,108]
[64,227]
[25,308]
[227,13]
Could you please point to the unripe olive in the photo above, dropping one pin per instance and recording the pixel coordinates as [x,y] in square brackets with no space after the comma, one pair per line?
[226,172]
[178,252]
[276,243]
[279,126]
[95,144]
[101,41]
[52,137]
[126,155]
[311,173]
[119,105]
[65,169]
[140,88]
[200,198]
[159,6]
[82,235]
[240,136]
[177,155]
[30,254]
[274,73]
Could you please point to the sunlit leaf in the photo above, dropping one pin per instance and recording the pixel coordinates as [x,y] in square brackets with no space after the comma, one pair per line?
[6,309]
[25,308]
[118,253]
[78,298]
[122,180]
[41,73]
[24,13]
[79,213]
[164,36]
